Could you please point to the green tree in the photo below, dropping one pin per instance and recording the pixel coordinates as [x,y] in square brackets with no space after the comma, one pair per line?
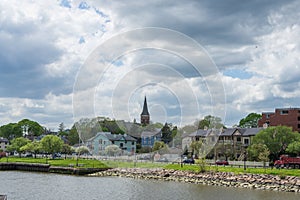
[82,150]
[32,147]
[66,149]
[17,144]
[51,144]
[294,148]
[112,150]
[263,156]
[210,122]
[33,127]
[11,131]
[276,138]
[61,129]
[258,152]
[166,132]
[158,145]
[195,148]
[73,136]
[250,121]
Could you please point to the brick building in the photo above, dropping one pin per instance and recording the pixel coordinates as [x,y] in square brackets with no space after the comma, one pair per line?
[282,116]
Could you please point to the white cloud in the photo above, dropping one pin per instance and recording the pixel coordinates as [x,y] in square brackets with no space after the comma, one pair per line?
[44,44]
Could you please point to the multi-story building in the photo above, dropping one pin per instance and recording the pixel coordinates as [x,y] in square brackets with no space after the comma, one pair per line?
[98,143]
[281,117]
[230,142]
[3,143]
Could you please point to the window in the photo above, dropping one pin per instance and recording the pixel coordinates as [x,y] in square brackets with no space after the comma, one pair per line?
[238,139]
[100,141]
[246,141]
[267,116]
[298,118]
[298,125]
[132,143]
[284,112]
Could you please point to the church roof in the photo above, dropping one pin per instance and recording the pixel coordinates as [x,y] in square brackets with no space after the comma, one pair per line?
[145,108]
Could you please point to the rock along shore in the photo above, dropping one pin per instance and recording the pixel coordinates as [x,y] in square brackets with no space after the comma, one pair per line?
[252,181]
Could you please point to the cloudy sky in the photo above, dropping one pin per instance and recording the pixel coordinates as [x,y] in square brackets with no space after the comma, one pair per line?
[62,60]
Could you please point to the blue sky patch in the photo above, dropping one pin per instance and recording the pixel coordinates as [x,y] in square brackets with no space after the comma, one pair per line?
[84,6]
[65,3]
[237,73]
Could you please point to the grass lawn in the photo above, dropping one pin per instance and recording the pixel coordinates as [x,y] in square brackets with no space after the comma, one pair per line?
[84,163]
[236,170]
[122,164]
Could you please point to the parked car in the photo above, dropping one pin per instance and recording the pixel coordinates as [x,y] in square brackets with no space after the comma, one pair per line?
[222,162]
[162,160]
[189,160]
[2,154]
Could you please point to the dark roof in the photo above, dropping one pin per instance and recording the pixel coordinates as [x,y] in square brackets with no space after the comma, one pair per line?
[227,132]
[114,137]
[252,131]
[199,133]
[155,132]
[145,108]
[3,139]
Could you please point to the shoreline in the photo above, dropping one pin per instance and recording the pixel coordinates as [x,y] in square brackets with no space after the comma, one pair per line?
[227,179]
[34,167]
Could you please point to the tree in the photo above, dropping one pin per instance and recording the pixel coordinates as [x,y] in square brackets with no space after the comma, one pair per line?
[195,148]
[258,152]
[294,148]
[250,121]
[17,144]
[263,156]
[66,149]
[33,127]
[166,133]
[61,129]
[158,145]
[73,136]
[32,147]
[51,144]
[276,138]
[82,150]
[11,131]
[112,150]
[210,122]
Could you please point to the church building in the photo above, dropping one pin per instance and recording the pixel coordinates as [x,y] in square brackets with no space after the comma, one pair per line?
[145,116]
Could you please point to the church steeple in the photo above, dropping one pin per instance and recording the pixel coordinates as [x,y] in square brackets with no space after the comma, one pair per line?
[145,116]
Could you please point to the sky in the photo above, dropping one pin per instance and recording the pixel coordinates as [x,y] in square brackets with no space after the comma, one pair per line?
[64,60]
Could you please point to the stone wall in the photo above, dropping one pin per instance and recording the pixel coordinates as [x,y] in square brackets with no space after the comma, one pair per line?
[252,181]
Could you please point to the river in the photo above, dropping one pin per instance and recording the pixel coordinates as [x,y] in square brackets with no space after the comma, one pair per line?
[44,186]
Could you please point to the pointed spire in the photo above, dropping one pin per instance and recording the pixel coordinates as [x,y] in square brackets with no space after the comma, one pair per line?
[145,108]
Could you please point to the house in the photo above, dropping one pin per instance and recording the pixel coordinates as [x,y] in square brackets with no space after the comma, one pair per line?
[150,137]
[3,143]
[101,140]
[231,141]
[282,117]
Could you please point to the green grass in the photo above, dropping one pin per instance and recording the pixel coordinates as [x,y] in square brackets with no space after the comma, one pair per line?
[122,164]
[84,163]
[236,170]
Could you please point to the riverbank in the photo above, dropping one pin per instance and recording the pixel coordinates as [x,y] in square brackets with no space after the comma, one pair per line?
[227,179]
[35,167]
